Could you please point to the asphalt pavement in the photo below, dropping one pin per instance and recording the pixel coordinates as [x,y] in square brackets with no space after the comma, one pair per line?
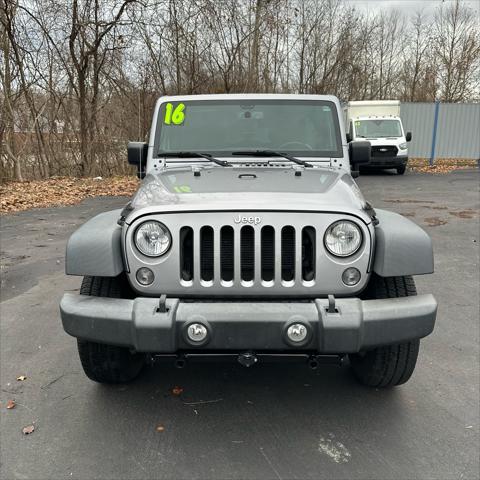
[267,422]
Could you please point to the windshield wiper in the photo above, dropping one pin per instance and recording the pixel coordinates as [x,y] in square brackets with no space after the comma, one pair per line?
[272,153]
[209,157]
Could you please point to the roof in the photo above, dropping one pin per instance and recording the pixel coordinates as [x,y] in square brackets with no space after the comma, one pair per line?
[371,103]
[373,117]
[247,96]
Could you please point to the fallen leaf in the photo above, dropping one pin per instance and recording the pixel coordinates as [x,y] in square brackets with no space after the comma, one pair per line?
[21,378]
[10,404]
[160,428]
[28,430]
[17,196]
[442,166]
[177,390]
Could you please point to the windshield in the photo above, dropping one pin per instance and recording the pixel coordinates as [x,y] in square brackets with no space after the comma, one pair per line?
[221,127]
[378,128]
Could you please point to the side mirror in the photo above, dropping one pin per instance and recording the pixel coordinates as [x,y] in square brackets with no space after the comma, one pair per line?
[408,136]
[349,137]
[360,153]
[137,155]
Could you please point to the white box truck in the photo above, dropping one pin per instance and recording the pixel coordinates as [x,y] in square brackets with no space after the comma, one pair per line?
[378,121]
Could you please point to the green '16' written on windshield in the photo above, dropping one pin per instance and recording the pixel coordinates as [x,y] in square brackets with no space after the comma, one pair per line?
[174,116]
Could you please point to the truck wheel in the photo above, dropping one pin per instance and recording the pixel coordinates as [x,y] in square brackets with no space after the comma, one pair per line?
[401,170]
[393,364]
[108,363]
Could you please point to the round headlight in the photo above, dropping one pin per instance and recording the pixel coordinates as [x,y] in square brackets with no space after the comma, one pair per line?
[343,238]
[152,238]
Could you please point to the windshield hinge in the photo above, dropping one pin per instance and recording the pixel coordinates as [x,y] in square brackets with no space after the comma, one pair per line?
[124,213]
[162,304]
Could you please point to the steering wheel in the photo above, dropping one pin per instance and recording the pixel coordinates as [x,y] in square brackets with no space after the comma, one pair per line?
[285,145]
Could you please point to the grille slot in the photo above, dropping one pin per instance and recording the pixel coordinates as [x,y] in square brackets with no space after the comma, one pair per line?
[308,254]
[186,253]
[247,253]
[288,253]
[226,253]
[206,253]
[268,253]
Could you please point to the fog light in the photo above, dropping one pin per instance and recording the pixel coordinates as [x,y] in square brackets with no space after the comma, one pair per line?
[351,276]
[196,332]
[297,332]
[145,276]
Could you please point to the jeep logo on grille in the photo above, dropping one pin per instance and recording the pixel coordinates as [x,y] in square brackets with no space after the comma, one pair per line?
[251,220]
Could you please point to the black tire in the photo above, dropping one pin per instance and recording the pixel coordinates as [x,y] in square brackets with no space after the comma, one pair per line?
[108,363]
[393,364]
[401,170]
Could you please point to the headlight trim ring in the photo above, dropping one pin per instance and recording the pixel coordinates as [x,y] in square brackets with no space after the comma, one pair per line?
[359,241]
[166,232]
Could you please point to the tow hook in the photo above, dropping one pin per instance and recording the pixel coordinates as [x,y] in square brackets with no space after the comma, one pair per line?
[247,359]
[180,361]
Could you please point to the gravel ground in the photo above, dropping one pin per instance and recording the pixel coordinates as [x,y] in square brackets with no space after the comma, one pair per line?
[268,422]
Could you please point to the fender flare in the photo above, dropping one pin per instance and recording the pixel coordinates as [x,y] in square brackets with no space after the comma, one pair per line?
[401,246]
[95,248]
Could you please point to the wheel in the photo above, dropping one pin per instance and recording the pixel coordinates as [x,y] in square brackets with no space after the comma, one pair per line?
[108,363]
[401,170]
[390,365]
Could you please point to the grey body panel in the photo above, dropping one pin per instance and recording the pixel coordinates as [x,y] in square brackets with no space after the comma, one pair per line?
[329,269]
[259,326]
[273,188]
[401,246]
[95,248]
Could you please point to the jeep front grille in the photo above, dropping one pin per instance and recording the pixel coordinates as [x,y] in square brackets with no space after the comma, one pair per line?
[282,255]
[231,255]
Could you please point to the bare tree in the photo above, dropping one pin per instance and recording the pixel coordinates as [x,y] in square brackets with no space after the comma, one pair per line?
[80,78]
[457,45]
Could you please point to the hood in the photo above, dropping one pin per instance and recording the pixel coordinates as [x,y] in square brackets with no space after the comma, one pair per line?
[384,141]
[248,189]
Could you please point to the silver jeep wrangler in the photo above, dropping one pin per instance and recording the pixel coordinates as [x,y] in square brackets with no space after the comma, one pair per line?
[249,238]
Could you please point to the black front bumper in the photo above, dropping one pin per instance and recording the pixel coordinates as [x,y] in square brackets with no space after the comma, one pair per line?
[255,326]
[386,162]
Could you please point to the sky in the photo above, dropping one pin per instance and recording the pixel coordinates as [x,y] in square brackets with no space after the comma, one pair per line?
[408,6]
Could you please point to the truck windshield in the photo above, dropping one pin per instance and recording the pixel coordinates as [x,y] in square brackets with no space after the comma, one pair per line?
[378,128]
[220,127]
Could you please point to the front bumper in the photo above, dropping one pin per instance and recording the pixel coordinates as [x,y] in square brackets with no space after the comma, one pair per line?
[387,162]
[255,326]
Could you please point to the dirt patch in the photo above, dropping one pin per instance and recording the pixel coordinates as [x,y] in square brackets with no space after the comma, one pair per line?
[394,200]
[18,196]
[408,214]
[464,213]
[434,221]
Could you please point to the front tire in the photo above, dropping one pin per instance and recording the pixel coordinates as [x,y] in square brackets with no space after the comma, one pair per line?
[401,170]
[108,363]
[390,365]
